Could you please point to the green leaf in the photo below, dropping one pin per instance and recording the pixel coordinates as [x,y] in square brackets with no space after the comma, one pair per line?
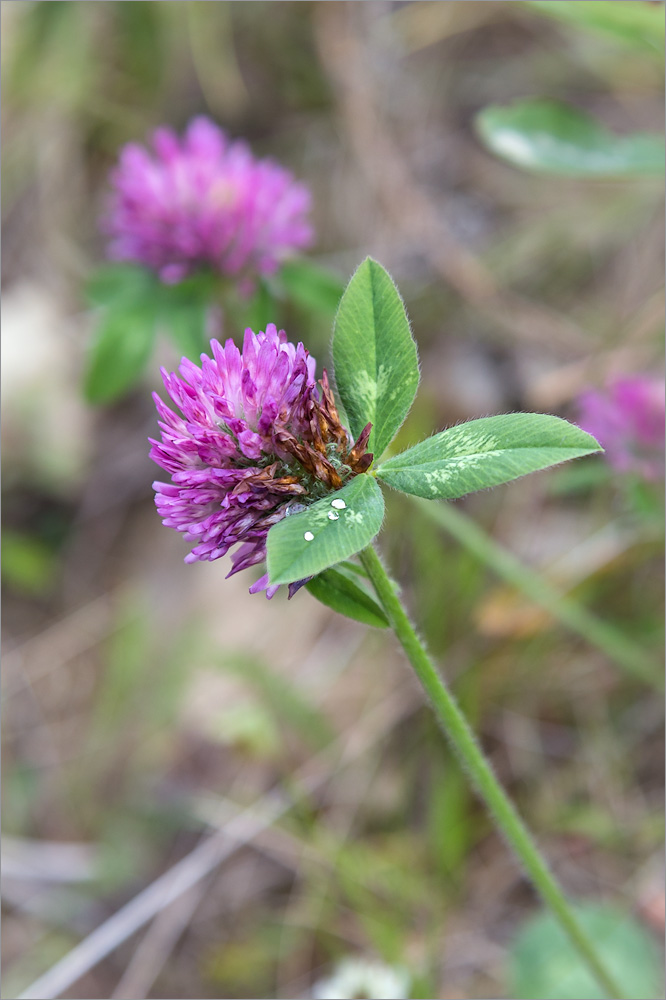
[120,351]
[544,965]
[339,589]
[111,284]
[186,327]
[483,453]
[293,556]
[311,286]
[28,564]
[255,310]
[374,354]
[260,309]
[182,312]
[549,137]
[626,21]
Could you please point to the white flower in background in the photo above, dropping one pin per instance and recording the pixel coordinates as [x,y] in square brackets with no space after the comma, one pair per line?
[362,978]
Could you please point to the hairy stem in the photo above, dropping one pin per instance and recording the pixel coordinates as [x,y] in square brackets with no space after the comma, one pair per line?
[461,738]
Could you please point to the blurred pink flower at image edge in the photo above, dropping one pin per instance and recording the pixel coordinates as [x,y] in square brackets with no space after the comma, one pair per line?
[627,418]
[204,201]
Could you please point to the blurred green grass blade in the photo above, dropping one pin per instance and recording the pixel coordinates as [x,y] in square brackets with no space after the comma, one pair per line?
[127,662]
[338,589]
[544,966]
[281,696]
[52,57]
[306,544]
[550,137]
[618,647]
[626,21]
[485,452]
[452,832]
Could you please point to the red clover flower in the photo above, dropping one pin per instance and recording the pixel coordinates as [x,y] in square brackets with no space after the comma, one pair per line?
[257,439]
[204,200]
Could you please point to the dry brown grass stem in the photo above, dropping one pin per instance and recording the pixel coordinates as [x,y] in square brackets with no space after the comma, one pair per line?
[407,205]
[189,872]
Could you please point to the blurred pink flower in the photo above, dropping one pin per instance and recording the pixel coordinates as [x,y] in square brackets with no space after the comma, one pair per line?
[627,418]
[204,200]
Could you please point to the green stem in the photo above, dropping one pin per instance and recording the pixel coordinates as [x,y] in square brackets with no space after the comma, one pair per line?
[610,640]
[461,737]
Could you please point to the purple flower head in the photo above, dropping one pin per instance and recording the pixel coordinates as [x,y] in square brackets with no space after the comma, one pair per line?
[628,420]
[256,436]
[204,201]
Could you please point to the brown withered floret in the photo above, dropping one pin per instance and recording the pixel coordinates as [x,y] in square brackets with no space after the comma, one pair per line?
[326,429]
[263,478]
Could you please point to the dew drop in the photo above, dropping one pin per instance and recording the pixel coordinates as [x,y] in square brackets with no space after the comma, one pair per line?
[338,504]
[333,516]
[294,508]
[308,536]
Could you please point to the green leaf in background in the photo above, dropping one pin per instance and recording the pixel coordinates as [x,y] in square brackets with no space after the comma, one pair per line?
[260,308]
[254,310]
[631,22]
[185,324]
[339,589]
[483,453]
[311,286]
[549,137]
[544,966]
[120,351]
[305,544]
[111,284]
[374,355]
[183,311]
[28,564]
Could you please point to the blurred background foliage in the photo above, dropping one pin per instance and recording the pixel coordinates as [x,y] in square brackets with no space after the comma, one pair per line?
[150,706]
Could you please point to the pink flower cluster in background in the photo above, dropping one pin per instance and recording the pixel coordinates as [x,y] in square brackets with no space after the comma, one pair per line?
[627,418]
[204,200]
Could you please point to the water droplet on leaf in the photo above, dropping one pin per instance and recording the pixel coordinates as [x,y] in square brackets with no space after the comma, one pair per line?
[338,504]
[332,516]
[308,536]
[294,508]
